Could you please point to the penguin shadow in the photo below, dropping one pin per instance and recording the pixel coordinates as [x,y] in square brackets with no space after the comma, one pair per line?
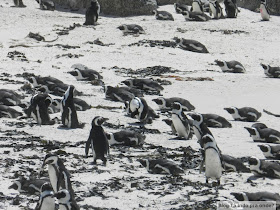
[178,138]
[63,127]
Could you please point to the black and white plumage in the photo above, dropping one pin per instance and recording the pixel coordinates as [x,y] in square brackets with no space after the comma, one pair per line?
[231,8]
[247,114]
[212,158]
[30,186]
[46,200]
[126,137]
[38,109]
[57,89]
[231,66]
[166,103]
[199,127]
[92,13]
[267,135]
[7,111]
[234,164]
[19,3]
[65,201]
[46,4]
[10,97]
[256,196]
[273,72]
[170,123]
[158,166]
[195,16]
[69,114]
[215,9]
[143,84]
[37,81]
[179,8]
[118,94]
[264,168]
[82,72]
[191,45]
[215,121]
[131,29]
[181,122]
[270,151]
[58,174]
[163,15]
[97,140]
[80,105]
[197,6]
[264,10]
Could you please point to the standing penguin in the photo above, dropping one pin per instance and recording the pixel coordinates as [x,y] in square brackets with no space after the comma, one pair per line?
[92,13]
[212,157]
[264,10]
[38,109]
[46,201]
[216,9]
[197,6]
[58,174]
[65,200]
[97,140]
[69,114]
[231,8]
[180,121]
[19,3]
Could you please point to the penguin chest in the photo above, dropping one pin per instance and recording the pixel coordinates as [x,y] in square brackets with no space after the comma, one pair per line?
[264,13]
[53,177]
[213,167]
[48,203]
[179,126]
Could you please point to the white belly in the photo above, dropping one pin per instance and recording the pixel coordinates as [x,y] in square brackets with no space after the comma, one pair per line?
[213,167]
[53,177]
[179,126]
[48,204]
[264,14]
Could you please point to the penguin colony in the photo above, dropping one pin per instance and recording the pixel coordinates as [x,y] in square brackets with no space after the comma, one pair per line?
[190,126]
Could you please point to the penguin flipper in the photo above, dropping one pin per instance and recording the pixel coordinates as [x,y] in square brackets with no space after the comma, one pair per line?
[88,144]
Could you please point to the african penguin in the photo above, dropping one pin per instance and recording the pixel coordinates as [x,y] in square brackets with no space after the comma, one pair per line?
[247,114]
[273,72]
[264,10]
[163,15]
[69,114]
[231,8]
[58,174]
[197,6]
[46,5]
[195,16]
[126,137]
[131,29]
[234,164]
[143,84]
[65,201]
[87,74]
[38,109]
[268,135]
[46,200]
[10,97]
[180,121]
[97,140]
[30,186]
[179,8]
[118,94]
[139,108]
[270,151]
[212,158]
[6,111]
[80,105]
[166,103]
[92,13]
[231,66]
[159,166]
[256,196]
[170,123]
[36,81]
[199,127]
[19,3]
[215,121]
[191,45]
[216,9]
[264,168]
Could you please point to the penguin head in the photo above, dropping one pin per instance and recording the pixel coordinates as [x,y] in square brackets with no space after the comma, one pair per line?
[122,27]
[253,161]
[128,82]
[252,131]
[56,102]
[16,186]
[135,104]
[178,40]
[63,196]
[73,73]
[46,187]
[240,196]
[265,67]
[50,159]
[231,110]
[176,107]
[207,139]
[144,162]
[33,81]
[48,100]
[155,12]
[160,101]
[97,121]
[197,117]
[220,63]
[259,125]
[265,148]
